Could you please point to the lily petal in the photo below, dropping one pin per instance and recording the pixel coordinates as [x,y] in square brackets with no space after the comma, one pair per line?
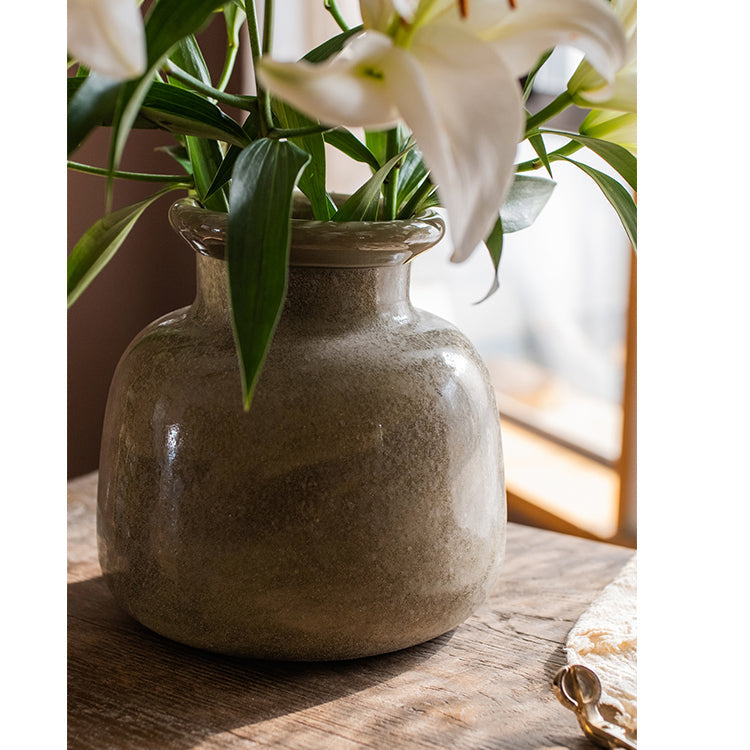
[522,33]
[107,36]
[590,89]
[347,90]
[464,109]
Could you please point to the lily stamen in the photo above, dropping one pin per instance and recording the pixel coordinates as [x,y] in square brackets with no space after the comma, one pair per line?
[463,6]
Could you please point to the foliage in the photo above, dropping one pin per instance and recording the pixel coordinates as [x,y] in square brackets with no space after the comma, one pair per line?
[440,129]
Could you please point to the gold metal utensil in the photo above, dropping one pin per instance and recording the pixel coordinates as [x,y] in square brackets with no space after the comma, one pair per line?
[578,688]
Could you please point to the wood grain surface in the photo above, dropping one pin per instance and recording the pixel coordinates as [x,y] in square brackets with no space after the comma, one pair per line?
[486,684]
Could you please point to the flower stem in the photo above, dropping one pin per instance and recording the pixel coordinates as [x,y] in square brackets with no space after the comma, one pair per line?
[333,9]
[557,105]
[268,27]
[390,186]
[226,73]
[265,121]
[241,102]
[263,95]
[139,176]
[234,18]
[297,132]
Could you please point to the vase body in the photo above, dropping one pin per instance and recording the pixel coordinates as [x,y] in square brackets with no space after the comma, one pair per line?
[357,508]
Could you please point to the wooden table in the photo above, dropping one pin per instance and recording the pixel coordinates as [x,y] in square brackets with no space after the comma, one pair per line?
[487,684]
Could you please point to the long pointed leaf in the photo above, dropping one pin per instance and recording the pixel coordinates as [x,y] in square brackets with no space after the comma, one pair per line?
[99,244]
[312,182]
[224,173]
[94,96]
[258,248]
[183,112]
[526,199]
[167,23]
[331,46]
[206,158]
[348,143]
[411,175]
[619,158]
[537,143]
[205,154]
[529,83]
[172,20]
[363,204]
[494,243]
[174,109]
[621,200]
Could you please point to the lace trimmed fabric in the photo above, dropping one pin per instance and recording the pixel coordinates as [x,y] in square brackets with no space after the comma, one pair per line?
[605,640]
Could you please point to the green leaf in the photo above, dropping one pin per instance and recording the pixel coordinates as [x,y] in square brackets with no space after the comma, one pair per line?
[537,143]
[187,55]
[206,158]
[529,84]
[205,154]
[258,247]
[494,244]
[224,173]
[89,101]
[172,20]
[619,158]
[416,190]
[101,241]
[106,112]
[376,141]
[363,205]
[175,109]
[411,177]
[184,112]
[346,142]
[621,200]
[167,23]
[331,47]
[128,104]
[179,154]
[313,179]
[526,199]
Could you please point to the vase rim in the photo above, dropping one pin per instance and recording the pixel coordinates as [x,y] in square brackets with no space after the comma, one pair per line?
[327,244]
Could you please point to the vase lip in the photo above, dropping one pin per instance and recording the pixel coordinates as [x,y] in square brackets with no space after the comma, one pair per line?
[327,244]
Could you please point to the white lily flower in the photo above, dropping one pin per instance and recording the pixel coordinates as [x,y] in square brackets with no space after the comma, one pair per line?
[589,89]
[107,36]
[454,82]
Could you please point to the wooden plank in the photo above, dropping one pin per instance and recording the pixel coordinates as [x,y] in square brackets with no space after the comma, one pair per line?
[486,684]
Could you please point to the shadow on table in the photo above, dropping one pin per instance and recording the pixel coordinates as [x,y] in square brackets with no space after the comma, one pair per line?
[129,687]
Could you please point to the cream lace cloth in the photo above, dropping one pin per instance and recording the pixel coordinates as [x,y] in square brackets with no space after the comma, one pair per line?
[605,640]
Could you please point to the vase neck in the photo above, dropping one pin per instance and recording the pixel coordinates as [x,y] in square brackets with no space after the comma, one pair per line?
[338,297]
